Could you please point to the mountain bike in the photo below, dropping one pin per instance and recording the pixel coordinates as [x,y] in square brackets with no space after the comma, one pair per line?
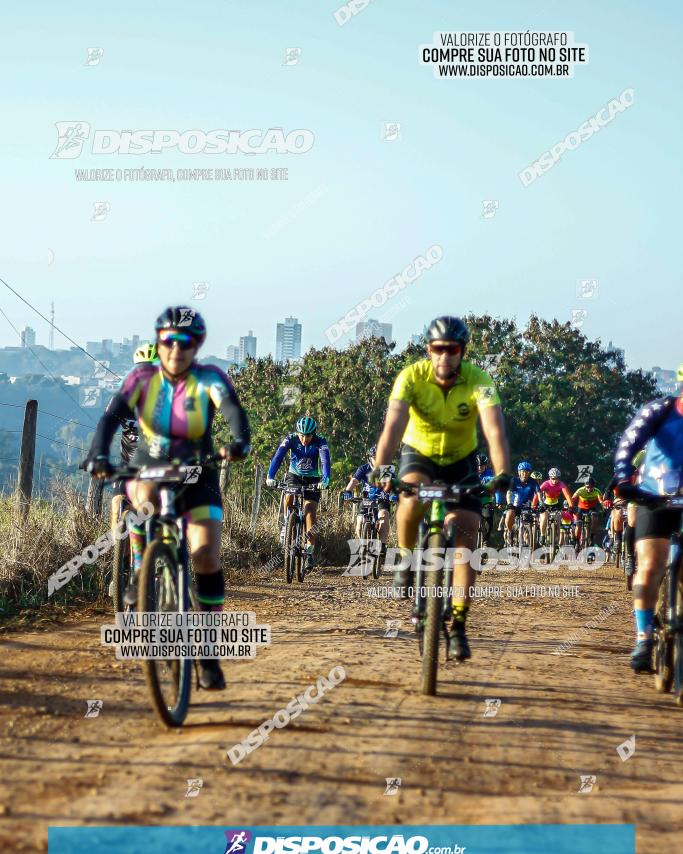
[525,528]
[164,583]
[123,589]
[668,625]
[295,541]
[431,610]
[585,537]
[370,546]
[553,533]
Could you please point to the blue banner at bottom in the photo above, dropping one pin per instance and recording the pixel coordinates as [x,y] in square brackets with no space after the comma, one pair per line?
[330,839]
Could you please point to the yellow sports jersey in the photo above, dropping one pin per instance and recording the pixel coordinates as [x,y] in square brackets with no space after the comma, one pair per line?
[443,426]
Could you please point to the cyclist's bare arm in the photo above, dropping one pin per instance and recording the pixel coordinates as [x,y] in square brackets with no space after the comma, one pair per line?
[493,428]
[351,485]
[395,423]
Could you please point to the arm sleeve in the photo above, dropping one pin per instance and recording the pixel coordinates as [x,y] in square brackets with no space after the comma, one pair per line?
[641,429]
[403,386]
[224,397]
[485,393]
[278,457]
[325,458]
[115,416]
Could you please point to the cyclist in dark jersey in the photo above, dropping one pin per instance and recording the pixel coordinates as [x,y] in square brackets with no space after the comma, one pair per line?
[384,499]
[175,402]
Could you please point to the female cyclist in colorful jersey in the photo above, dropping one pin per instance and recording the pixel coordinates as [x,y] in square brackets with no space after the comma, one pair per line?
[309,465]
[587,499]
[174,402]
[434,407]
[548,497]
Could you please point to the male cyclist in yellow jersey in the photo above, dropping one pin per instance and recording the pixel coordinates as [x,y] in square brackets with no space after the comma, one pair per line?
[433,408]
[586,499]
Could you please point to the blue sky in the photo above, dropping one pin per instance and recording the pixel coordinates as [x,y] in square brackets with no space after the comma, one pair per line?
[608,211]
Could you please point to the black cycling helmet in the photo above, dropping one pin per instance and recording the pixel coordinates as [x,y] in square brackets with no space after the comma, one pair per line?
[372,452]
[448,328]
[482,459]
[183,319]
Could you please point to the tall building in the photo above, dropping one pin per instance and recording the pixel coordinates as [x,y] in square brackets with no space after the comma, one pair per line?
[28,337]
[288,340]
[616,350]
[373,329]
[247,347]
[233,354]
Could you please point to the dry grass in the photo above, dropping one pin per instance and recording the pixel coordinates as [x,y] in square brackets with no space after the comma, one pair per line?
[56,530]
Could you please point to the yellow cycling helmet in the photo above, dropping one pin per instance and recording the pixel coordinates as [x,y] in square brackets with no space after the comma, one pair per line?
[145,353]
[679,374]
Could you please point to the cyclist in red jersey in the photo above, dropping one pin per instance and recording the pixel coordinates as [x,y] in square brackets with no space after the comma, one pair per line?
[550,491]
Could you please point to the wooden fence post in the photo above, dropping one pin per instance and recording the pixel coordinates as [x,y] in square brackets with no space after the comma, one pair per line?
[27,457]
[224,476]
[93,502]
[256,501]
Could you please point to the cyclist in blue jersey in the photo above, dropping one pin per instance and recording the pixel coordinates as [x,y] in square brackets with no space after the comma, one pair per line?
[309,465]
[487,501]
[384,499]
[657,427]
[522,491]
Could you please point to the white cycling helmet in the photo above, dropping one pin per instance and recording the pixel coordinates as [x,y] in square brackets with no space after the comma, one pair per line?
[554,473]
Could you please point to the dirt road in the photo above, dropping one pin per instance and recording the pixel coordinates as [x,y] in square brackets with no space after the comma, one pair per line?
[562,715]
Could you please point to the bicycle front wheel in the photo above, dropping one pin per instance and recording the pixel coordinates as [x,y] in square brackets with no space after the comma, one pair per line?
[160,588]
[433,621]
[290,546]
[677,639]
[664,675]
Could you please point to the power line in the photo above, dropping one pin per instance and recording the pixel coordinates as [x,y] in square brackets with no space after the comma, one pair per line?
[59,442]
[44,412]
[33,308]
[44,366]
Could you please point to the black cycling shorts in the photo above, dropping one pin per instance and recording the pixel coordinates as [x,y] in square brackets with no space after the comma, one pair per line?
[292,479]
[657,524]
[196,501]
[453,473]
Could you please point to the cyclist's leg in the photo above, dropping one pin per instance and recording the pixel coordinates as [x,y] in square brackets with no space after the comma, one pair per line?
[652,549]
[465,521]
[139,492]
[414,468]
[310,514]
[383,524]
[543,521]
[116,502]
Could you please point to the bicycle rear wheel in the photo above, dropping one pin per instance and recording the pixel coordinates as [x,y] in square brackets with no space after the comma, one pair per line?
[664,675]
[433,622]
[121,568]
[300,552]
[677,639]
[160,588]
[290,546]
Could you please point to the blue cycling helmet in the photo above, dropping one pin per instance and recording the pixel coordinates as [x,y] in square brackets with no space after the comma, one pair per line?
[372,452]
[525,465]
[306,425]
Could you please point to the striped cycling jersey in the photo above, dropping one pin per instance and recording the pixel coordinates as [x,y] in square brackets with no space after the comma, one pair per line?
[174,419]
[587,498]
[552,491]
